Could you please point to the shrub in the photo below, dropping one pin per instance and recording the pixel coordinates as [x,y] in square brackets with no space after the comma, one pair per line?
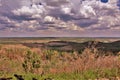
[32,61]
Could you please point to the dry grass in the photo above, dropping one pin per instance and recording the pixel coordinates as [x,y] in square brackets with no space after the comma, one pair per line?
[13,56]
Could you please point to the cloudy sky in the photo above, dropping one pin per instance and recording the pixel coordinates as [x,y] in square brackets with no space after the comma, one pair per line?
[59,18]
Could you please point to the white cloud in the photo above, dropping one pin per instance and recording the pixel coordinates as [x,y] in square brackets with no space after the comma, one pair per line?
[66,10]
[87,10]
[36,10]
[49,19]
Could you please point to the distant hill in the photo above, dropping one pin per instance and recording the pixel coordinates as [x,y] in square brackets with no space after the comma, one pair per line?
[75,46]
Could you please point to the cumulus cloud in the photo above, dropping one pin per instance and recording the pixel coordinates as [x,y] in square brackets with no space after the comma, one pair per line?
[57,24]
[66,10]
[33,11]
[6,23]
[59,15]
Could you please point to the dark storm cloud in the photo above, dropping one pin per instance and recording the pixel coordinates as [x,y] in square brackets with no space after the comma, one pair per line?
[66,17]
[56,3]
[118,3]
[42,28]
[101,28]
[3,21]
[18,18]
[86,22]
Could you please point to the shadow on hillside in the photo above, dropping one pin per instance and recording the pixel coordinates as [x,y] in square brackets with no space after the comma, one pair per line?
[113,47]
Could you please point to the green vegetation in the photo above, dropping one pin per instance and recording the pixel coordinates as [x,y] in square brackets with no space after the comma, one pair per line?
[32,61]
[90,74]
